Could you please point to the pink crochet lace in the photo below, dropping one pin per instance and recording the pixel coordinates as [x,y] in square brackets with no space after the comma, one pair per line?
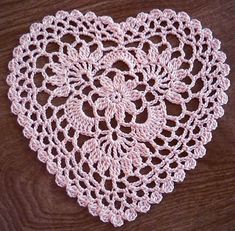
[118,112]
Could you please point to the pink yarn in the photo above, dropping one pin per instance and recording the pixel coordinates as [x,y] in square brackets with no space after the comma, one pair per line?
[107,131]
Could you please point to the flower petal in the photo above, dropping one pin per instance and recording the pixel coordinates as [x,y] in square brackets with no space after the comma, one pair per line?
[133,95]
[84,52]
[174,97]
[131,84]
[96,55]
[126,165]
[153,54]
[141,149]
[165,57]
[129,107]
[114,169]
[118,81]
[95,156]
[104,164]
[120,112]
[72,53]
[65,61]
[179,87]
[174,64]
[57,80]
[58,68]
[90,145]
[135,157]
[110,111]
[141,57]
[101,103]
[106,83]
[62,91]
[104,92]
[179,74]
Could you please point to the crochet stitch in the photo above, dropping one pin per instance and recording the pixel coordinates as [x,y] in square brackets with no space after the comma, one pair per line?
[118,112]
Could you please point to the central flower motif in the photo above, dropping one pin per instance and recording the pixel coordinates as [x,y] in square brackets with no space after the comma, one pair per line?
[117,96]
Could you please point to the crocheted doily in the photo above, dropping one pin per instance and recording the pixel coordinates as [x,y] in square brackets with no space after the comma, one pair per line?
[118,112]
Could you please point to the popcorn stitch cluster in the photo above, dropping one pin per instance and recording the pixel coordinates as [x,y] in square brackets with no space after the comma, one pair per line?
[118,112]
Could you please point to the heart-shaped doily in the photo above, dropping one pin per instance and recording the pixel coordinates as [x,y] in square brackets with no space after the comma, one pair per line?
[118,112]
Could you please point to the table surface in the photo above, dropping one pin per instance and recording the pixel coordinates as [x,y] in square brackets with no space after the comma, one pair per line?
[29,197]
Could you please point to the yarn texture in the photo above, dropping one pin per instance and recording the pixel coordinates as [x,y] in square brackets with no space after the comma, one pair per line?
[118,112]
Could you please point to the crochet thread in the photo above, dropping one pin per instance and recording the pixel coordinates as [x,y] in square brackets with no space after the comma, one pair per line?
[118,112]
